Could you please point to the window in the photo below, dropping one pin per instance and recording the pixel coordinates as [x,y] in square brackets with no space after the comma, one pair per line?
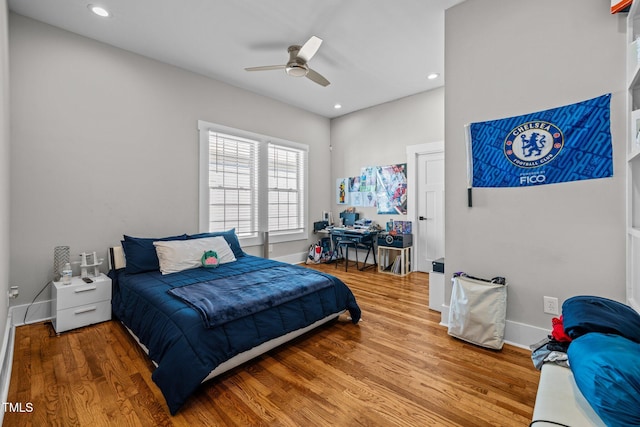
[286,189]
[252,183]
[232,182]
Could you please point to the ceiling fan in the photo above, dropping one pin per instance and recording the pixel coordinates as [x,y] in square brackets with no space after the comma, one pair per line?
[297,66]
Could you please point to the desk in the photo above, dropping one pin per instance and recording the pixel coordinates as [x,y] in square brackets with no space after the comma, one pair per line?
[363,238]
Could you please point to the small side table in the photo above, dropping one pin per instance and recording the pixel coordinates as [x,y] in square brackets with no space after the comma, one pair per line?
[80,304]
[392,260]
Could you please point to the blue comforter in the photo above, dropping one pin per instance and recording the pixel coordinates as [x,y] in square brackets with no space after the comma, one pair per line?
[178,341]
[224,299]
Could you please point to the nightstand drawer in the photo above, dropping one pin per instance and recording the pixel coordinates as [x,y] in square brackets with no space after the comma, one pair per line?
[86,293]
[76,317]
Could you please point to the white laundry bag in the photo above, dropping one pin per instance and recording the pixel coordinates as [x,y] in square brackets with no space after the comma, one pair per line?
[477,310]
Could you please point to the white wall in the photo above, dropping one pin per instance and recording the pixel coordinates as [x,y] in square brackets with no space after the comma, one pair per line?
[4,167]
[509,58]
[379,135]
[105,142]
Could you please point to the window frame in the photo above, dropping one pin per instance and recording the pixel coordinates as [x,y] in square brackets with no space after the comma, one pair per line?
[204,128]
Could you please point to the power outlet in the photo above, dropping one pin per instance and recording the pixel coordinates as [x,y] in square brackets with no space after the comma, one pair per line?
[551,305]
[12,293]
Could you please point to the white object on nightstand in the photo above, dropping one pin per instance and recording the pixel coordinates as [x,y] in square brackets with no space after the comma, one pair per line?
[81,304]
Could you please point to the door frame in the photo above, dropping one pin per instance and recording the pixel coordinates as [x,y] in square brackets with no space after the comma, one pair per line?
[413,151]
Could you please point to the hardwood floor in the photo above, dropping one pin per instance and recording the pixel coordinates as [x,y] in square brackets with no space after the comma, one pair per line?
[397,367]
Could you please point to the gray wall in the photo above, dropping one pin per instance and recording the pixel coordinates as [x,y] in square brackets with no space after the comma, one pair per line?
[4,167]
[508,58]
[379,136]
[105,142]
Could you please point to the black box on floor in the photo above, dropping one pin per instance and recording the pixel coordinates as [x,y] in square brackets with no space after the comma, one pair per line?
[438,265]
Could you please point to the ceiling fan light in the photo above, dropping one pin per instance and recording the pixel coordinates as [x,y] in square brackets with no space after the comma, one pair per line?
[296,70]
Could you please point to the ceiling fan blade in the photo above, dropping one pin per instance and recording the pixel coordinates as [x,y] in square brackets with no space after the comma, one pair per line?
[316,77]
[310,48]
[266,68]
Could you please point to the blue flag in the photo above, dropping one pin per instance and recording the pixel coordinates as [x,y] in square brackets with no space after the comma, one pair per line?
[568,143]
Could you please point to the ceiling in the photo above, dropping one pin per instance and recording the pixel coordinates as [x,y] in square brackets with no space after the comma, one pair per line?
[373,51]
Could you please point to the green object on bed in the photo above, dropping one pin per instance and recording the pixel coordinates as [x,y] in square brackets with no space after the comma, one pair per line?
[210,259]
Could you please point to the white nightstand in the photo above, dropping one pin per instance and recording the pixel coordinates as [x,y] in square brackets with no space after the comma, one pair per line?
[81,304]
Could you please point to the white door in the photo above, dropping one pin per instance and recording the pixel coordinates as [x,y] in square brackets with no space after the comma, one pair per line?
[430,209]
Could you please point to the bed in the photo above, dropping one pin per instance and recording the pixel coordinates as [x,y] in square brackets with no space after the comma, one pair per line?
[196,322]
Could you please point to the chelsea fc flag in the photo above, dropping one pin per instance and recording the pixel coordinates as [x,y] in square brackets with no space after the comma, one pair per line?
[568,143]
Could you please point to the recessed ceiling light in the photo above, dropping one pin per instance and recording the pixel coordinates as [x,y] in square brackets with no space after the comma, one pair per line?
[99,10]
[337,106]
[433,76]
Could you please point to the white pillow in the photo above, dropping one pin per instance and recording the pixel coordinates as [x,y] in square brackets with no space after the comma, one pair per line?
[179,255]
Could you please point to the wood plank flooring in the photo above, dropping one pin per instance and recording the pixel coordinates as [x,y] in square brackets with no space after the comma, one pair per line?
[398,367]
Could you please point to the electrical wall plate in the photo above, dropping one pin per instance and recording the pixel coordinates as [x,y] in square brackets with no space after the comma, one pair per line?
[551,305]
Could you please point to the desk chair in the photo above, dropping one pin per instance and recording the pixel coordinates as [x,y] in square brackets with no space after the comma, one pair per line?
[342,249]
[370,250]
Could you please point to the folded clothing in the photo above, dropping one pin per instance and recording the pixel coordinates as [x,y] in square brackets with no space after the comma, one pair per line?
[558,331]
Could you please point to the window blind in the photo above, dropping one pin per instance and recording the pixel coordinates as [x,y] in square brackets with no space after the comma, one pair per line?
[233,184]
[286,188]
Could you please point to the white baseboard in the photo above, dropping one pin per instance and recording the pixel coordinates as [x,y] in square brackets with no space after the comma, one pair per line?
[6,360]
[515,333]
[295,258]
[444,315]
[523,335]
[37,312]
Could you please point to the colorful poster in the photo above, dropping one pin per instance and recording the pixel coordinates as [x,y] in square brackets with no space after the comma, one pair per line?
[354,184]
[342,194]
[369,199]
[568,143]
[355,198]
[391,189]
[368,179]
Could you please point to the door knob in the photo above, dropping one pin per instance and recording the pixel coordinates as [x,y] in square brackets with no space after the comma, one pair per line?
[422,218]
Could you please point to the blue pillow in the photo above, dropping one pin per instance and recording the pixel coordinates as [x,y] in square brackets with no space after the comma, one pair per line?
[607,372]
[584,314]
[140,253]
[229,236]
